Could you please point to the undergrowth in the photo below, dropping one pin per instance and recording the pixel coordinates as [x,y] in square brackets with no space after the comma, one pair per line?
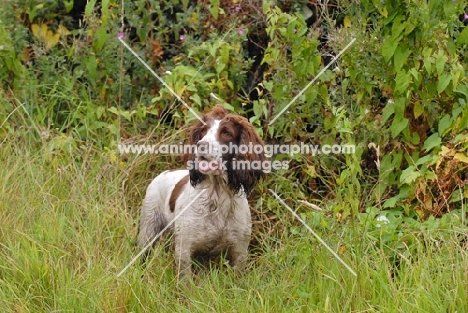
[69,227]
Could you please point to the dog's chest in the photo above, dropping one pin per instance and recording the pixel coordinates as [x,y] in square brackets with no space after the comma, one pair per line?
[218,227]
[218,217]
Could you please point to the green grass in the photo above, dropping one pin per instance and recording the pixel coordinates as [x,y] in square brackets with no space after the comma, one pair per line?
[68,226]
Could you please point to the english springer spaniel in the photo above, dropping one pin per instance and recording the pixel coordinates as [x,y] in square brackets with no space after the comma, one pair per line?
[206,205]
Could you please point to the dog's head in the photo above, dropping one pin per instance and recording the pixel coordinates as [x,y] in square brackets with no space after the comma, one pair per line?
[227,145]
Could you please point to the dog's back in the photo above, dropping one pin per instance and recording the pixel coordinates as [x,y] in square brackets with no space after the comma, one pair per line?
[156,207]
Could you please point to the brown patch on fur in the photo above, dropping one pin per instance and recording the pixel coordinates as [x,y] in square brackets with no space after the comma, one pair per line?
[177,191]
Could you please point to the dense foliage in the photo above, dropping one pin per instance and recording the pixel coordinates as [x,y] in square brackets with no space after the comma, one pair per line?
[399,92]
[388,77]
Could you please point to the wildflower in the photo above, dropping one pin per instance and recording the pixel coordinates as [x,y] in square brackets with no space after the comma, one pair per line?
[120,35]
[465,17]
[381,220]
[181,37]
[240,31]
[237,8]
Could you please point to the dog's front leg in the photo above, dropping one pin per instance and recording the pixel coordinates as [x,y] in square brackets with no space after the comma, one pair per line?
[183,255]
[238,254]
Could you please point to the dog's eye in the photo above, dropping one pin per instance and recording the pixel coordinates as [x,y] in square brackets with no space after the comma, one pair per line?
[227,134]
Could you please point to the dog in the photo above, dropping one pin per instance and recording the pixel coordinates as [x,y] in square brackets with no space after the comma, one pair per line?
[205,206]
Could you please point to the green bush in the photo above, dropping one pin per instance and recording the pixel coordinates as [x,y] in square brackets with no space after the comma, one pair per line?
[401,87]
[409,74]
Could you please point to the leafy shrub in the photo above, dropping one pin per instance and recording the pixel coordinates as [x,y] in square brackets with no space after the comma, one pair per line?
[412,81]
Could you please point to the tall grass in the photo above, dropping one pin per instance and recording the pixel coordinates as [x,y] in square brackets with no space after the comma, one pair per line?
[66,230]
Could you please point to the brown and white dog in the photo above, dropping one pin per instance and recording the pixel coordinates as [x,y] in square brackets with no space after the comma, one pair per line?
[219,219]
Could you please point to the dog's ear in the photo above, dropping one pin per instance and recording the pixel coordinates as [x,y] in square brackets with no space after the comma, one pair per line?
[196,134]
[247,170]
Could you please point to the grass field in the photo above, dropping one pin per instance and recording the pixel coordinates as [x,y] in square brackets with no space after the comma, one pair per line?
[68,227]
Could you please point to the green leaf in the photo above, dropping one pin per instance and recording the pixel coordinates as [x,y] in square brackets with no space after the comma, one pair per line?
[427,59]
[409,27]
[122,113]
[91,66]
[461,157]
[463,37]
[416,75]
[228,106]
[409,175]
[257,107]
[461,123]
[104,12]
[390,203]
[428,159]
[456,111]
[463,89]
[457,71]
[388,48]
[268,85]
[68,5]
[402,81]
[196,98]
[383,11]
[401,55]
[220,67]
[443,82]
[278,92]
[456,196]
[100,38]
[311,95]
[400,107]
[254,120]
[461,138]
[440,62]
[433,4]
[89,8]
[387,112]
[398,26]
[444,124]
[433,141]
[418,109]
[398,126]
[214,8]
